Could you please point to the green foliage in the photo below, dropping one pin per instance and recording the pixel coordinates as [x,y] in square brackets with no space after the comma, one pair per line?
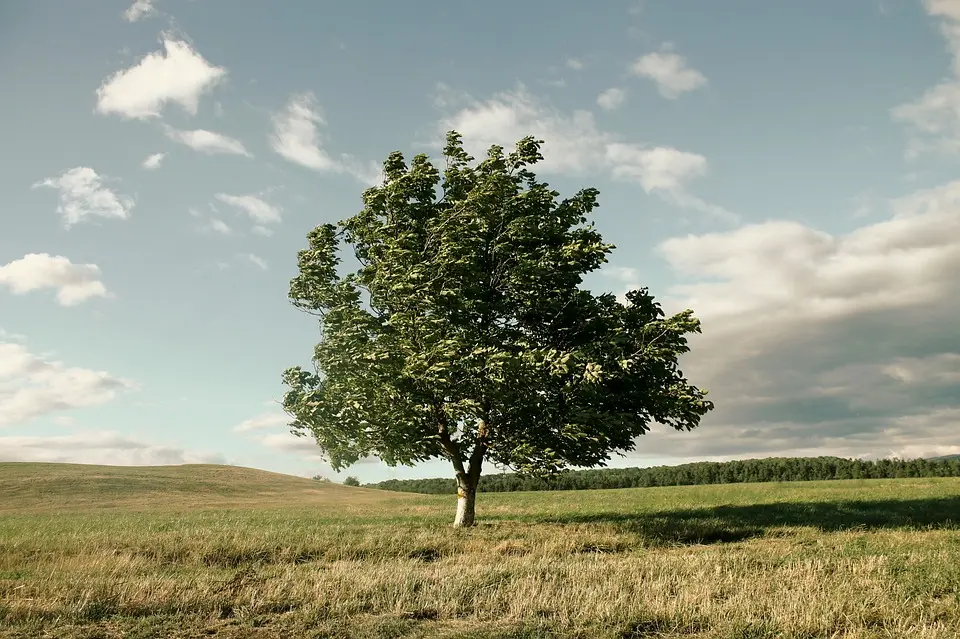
[699,473]
[320,478]
[351,481]
[464,332]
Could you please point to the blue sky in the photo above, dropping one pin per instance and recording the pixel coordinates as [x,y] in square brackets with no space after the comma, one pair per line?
[788,170]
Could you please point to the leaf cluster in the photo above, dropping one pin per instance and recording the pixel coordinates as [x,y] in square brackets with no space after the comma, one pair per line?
[465,331]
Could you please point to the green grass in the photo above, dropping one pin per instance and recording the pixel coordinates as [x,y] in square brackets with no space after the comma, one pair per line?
[197,551]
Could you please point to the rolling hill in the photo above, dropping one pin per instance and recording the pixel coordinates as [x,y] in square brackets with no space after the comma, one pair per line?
[55,487]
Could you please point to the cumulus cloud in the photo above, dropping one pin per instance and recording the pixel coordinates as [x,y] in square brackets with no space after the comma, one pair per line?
[573,144]
[153,161]
[627,278]
[656,169]
[612,99]
[139,10]
[259,210]
[256,260]
[270,430]
[176,75]
[99,447]
[208,142]
[264,421]
[665,171]
[296,137]
[289,443]
[32,385]
[84,196]
[934,117]
[817,343]
[219,226]
[74,283]
[671,73]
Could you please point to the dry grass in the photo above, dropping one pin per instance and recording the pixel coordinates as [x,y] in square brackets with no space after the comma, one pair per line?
[261,555]
[37,488]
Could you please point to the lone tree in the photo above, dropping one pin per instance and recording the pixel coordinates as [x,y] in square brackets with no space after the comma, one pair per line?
[464,333]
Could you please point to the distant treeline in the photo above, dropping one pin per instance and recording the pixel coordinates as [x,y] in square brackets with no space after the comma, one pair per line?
[732,472]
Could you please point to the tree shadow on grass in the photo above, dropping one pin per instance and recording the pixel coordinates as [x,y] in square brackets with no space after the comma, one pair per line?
[722,524]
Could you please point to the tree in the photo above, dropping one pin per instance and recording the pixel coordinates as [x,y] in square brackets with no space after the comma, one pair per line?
[351,481]
[464,333]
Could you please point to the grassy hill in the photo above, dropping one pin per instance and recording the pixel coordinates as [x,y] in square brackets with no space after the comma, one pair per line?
[28,487]
[193,551]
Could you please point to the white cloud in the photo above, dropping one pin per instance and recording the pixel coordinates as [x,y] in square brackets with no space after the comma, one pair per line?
[823,344]
[296,138]
[208,142]
[32,386]
[75,283]
[219,226]
[573,144]
[153,161]
[257,429]
[256,260]
[670,72]
[281,439]
[665,171]
[262,230]
[139,10]
[264,421]
[626,274]
[177,75]
[289,443]
[808,274]
[83,195]
[260,211]
[935,116]
[656,169]
[627,277]
[575,63]
[943,368]
[99,447]
[612,99]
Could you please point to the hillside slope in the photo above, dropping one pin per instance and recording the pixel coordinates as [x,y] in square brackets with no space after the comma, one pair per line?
[53,487]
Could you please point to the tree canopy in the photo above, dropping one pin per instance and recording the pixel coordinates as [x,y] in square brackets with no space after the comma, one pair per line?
[464,332]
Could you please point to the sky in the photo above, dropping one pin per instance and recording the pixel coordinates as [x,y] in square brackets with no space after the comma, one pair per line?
[787,170]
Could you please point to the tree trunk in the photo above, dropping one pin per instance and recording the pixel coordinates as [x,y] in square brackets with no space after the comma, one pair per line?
[466,500]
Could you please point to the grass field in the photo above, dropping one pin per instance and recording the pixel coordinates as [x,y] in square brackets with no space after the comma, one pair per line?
[199,551]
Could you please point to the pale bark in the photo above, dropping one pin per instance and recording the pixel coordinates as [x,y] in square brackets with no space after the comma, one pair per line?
[467,476]
[466,502]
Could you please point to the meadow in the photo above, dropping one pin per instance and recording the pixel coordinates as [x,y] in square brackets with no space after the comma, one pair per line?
[198,551]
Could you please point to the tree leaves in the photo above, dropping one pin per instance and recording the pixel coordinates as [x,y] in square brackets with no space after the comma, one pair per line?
[466,309]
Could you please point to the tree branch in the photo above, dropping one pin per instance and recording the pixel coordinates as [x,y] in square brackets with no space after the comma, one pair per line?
[479,450]
[452,448]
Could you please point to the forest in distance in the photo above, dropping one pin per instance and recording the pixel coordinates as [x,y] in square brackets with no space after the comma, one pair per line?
[772,469]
